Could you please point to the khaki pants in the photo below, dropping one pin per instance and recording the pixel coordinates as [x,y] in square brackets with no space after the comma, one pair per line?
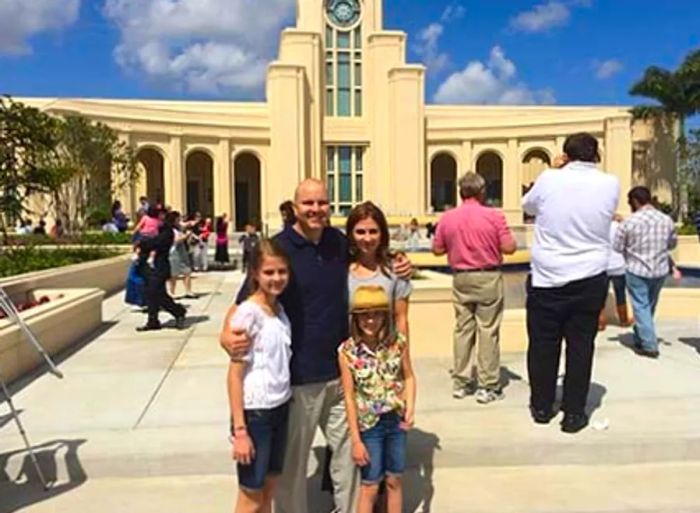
[317,405]
[478,303]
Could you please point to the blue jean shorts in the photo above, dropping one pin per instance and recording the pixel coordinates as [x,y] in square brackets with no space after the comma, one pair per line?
[268,431]
[386,445]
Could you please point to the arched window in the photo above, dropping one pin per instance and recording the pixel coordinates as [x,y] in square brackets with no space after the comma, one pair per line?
[152,167]
[343,59]
[443,182]
[247,190]
[534,162]
[490,166]
[200,183]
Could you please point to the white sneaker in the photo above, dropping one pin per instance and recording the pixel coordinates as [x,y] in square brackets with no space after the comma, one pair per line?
[460,390]
[485,396]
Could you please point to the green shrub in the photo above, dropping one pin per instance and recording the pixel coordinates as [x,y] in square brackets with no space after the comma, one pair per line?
[688,229]
[24,259]
[87,238]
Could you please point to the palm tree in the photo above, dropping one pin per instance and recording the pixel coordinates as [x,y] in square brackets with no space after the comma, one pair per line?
[677,94]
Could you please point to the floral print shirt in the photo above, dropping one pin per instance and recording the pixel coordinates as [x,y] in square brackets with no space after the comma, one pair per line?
[378,378]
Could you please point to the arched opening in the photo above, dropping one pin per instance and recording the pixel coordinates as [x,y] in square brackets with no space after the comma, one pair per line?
[534,162]
[247,190]
[152,168]
[200,183]
[490,166]
[443,182]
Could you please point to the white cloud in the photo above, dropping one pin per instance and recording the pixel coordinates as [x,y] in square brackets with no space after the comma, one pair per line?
[428,46]
[214,47]
[22,19]
[492,83]
[453,12]
[606,69]
[542,17]
[547,16]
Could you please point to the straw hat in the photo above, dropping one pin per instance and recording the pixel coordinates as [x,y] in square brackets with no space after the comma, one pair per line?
[369,297]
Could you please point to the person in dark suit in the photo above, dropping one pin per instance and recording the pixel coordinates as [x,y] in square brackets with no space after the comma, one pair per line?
[157,274]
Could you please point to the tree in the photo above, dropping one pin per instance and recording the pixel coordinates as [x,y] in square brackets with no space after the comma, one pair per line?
[677,94]
[77,163]
[97,167]
[28,140]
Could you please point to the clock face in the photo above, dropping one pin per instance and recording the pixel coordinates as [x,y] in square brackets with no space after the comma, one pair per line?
[344,12]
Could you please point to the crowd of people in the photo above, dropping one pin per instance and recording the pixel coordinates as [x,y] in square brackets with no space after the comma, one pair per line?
[318,336]
[168,248]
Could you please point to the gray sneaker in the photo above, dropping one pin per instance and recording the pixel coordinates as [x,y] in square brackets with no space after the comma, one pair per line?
[485,395]
[461,389]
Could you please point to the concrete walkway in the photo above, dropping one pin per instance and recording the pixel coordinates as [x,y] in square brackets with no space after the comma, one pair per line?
[139,424]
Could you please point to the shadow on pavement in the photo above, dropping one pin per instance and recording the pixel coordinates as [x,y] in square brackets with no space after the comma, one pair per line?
[593,402]
[693,342]
[24,488]
[418,486]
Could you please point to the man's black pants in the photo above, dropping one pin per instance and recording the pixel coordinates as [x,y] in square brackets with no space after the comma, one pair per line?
[157,298]
[569,312]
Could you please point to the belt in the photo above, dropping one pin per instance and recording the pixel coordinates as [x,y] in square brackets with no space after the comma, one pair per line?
[479,270]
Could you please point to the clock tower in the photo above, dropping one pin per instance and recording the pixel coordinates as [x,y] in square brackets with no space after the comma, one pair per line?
[345,107]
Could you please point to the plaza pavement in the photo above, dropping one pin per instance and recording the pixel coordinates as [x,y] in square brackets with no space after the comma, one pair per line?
[139,425]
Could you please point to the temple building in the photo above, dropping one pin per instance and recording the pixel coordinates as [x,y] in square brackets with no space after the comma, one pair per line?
[343,105]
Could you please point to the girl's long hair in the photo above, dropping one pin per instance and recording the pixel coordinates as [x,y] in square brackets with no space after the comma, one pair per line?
[269,248]
[369,210]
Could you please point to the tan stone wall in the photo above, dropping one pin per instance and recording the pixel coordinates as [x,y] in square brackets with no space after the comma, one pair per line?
[56,325]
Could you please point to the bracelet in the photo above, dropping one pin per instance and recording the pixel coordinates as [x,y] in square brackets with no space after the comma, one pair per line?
[240,429]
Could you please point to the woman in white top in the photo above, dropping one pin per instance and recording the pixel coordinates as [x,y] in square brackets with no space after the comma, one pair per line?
[259,385]
[616,274]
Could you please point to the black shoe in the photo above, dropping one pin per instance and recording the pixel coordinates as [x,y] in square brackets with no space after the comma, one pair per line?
[180,322]
[149,327]
[541,416]
[647,353]
[574,422]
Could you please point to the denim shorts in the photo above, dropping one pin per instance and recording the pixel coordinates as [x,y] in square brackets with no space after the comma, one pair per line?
[386,445]
[268,431]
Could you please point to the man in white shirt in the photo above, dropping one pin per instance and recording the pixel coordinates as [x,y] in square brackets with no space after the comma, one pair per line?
[573,207]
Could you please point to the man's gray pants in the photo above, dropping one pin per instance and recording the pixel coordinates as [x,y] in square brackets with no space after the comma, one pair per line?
[317,405]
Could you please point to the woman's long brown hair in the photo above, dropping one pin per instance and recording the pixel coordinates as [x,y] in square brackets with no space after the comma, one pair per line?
[369,210]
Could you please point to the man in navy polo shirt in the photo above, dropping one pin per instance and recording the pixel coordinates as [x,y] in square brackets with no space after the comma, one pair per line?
[316,301]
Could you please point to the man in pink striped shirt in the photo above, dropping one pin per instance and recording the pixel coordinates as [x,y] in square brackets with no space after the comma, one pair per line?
[475,238]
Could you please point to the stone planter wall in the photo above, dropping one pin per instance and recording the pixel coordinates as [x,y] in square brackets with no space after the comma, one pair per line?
[56,325]
[108,274]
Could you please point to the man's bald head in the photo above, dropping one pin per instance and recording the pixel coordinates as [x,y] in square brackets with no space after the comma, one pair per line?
[309,185]
[311,207]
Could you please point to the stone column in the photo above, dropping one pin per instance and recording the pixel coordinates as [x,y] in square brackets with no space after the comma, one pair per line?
[223,190]
[126,194]
[175,181]
[618,154]
[511,185]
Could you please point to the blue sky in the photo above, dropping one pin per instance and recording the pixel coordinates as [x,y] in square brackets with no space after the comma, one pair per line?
[477,51]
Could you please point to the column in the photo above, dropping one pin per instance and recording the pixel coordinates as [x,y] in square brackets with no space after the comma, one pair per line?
[175,176]
[120,189]
[287,100]
[223,189]
[407,140]
[511,185]
[618,154]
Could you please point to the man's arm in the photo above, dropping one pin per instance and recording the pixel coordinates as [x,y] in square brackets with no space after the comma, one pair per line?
[235,341]
[531,200]
[508,243]
[620,239]
[439,246]
[673,237]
